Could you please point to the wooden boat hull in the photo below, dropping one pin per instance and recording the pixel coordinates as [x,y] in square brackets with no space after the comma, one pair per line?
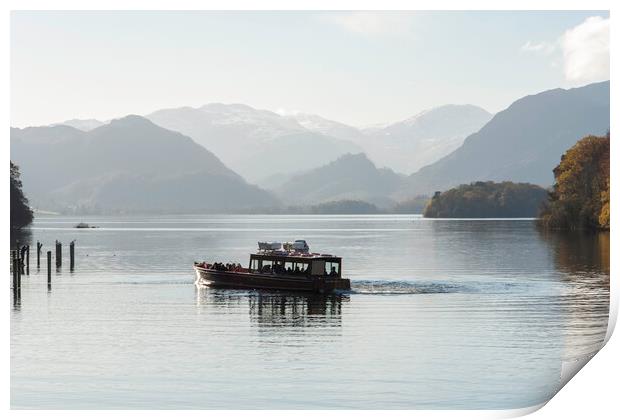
[231,279]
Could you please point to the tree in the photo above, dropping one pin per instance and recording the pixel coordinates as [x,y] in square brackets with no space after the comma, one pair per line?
[580,196]
[21,214]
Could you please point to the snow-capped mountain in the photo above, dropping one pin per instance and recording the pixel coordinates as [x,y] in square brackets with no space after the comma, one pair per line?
[255,143]
[327,127]
[408,145]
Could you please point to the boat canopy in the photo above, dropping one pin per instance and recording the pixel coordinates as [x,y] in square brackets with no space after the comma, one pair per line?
[308,264]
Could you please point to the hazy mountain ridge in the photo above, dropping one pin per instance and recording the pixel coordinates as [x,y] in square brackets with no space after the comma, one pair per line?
[256,143]
[521,144]
[408,145]
[83,125]
[247,139]
[129,164]
[350,177]
[524,142]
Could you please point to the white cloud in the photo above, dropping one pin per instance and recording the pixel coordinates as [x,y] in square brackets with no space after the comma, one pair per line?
[543,47]
[586,51]
[372,23]
[582,51]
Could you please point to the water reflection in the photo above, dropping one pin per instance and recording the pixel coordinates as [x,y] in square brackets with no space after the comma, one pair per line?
[274,309]
[579,252]
[582,262]
[17,299]
[310,310]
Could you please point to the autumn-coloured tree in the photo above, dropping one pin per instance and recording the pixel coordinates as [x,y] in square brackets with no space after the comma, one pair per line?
[21,214]
[580,196]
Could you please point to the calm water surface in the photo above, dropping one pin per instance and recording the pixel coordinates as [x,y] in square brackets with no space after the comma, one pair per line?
[463,314]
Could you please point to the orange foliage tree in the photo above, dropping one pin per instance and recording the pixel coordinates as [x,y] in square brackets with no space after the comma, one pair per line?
[580,196]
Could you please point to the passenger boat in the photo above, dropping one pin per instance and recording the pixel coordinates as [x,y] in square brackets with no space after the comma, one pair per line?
[276,266]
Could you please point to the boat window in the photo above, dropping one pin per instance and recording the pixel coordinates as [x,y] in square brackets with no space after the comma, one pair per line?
[278,267]
[300,267]
[288,266]
[332,268]
[254,264]
[266,266]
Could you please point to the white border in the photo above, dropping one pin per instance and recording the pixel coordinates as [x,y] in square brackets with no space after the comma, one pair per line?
[593,393]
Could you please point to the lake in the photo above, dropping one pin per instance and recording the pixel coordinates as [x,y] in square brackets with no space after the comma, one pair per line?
[443,314]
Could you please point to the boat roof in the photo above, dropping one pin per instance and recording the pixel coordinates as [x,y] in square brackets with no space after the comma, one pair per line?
[280,254]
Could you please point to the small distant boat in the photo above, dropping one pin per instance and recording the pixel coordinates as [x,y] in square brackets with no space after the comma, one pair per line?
[82,225]
[277,266]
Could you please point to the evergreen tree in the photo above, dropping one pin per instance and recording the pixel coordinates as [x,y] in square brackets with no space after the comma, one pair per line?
[21,214]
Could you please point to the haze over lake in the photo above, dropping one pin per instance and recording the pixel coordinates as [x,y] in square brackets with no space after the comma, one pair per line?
[442,314]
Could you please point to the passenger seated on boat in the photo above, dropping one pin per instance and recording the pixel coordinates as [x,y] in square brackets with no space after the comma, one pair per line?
[266,269]
[333,273]
[297,270]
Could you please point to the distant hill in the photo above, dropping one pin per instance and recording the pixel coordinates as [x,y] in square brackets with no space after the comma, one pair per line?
[522,143]
[350,177]
[488,199]
[83,125]
[408,145]
[256,143]
[128,165]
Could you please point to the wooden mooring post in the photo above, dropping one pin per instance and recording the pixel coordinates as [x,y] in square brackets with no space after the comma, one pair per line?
[27,260]
[72,255]
[58,254]
[20,269]
[39,246]
[49,270]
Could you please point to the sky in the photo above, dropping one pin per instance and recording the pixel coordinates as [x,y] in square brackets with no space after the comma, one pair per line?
[359,68]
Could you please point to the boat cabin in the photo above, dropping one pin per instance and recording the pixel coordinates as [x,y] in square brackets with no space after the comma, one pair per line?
[308,265]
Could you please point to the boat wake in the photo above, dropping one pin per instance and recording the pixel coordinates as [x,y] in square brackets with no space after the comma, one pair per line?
[399,287]
[376,287]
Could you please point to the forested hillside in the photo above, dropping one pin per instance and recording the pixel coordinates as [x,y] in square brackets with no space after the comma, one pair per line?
[488,199]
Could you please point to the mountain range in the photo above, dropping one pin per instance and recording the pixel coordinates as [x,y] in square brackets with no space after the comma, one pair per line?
[169,161]
[127,165]
[261,144]
[523,143]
